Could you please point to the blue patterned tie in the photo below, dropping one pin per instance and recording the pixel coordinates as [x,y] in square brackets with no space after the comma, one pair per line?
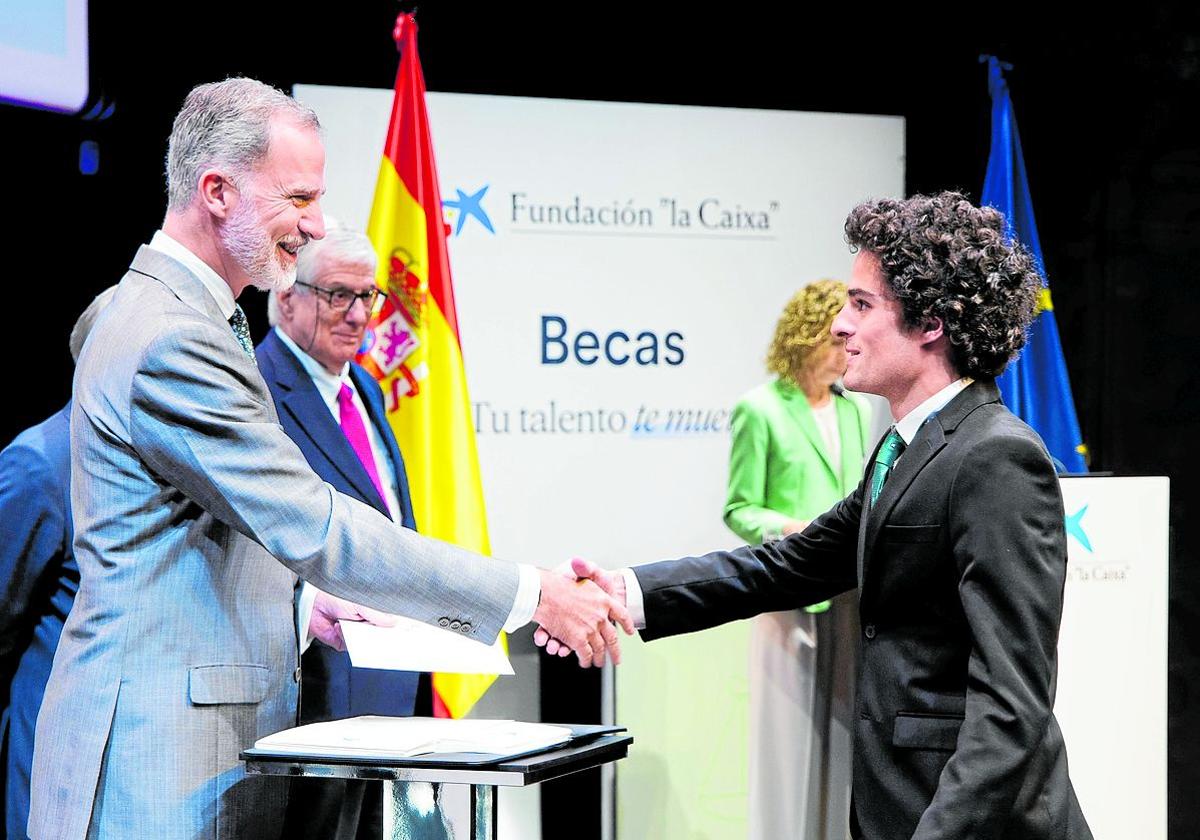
[893,446]
[241,330]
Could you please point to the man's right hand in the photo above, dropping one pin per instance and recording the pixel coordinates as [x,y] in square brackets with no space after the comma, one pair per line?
[579,614]
[579,569]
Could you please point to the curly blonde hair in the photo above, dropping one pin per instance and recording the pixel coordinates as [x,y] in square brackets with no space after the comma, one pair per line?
[804,326]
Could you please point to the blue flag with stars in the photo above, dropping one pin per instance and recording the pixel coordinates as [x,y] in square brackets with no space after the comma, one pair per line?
[1035,386]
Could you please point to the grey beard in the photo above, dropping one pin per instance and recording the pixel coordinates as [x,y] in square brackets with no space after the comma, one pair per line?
[254,252]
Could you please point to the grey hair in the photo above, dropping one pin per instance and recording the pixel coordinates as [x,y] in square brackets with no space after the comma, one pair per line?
[226,124]
[87,320]
[342,244]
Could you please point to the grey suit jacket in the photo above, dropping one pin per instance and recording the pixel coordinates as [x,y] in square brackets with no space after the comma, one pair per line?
[181,649]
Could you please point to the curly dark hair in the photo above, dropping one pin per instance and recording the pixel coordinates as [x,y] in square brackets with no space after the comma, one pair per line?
[943,257]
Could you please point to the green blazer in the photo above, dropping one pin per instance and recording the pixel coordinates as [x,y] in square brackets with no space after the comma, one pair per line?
[779,467]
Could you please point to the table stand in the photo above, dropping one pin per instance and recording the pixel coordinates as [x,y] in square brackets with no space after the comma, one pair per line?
[416,811]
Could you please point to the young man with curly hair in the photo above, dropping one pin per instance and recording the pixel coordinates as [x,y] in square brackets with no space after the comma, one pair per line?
[954,540]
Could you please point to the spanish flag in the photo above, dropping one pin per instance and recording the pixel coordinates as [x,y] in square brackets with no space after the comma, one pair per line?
[413,346]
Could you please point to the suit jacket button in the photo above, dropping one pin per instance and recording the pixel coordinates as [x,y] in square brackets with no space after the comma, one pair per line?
[454,625]
[296,674]
[443,622]
[466,627]
[869,631]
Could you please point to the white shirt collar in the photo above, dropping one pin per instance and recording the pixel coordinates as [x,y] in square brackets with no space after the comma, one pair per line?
[328,384]
[910,424]
[212,281]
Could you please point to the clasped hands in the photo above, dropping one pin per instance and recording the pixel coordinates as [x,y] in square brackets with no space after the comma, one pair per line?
[580,601]
[576,612]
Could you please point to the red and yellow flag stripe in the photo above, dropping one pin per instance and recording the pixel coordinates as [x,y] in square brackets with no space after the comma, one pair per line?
[414,348]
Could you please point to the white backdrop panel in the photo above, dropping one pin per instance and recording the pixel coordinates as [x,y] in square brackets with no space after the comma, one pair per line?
[710,285]
[616,496]
[1112,668]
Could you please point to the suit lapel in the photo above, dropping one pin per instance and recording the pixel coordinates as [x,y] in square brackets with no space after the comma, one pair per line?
[183,284]
[930,440]
[300,399]
[802,414]
[190,289]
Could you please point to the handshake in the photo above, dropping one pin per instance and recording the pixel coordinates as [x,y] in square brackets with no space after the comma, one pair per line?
[580,603]
[576,612]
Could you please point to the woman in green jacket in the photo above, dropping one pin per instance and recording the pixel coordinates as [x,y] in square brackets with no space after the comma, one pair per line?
[799,444]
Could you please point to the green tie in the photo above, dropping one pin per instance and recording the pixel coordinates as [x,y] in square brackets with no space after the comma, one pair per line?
[893,446]
[241,330]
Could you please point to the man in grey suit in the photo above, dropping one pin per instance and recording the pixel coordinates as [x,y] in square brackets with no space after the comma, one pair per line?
[954,540]
[182,647]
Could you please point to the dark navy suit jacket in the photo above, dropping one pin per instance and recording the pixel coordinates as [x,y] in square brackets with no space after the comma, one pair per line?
[38,582]
[330,687]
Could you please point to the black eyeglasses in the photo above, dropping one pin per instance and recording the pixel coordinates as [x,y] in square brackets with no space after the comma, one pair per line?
[340,300]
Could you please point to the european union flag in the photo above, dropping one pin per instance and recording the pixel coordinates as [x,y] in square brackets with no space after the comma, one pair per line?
[1035,386]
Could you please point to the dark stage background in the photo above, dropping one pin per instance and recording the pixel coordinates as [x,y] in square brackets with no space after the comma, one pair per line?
[1107,115]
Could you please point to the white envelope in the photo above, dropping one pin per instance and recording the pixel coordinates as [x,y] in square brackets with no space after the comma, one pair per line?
[416,646]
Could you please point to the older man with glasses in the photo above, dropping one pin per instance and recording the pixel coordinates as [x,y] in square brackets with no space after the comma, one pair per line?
[332,408]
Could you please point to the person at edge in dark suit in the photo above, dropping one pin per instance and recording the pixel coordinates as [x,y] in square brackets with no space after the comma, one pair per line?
[38,580]
[333,409]
[954,540]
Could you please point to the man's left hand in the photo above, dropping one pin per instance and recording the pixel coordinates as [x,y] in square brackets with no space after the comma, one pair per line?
[329,609]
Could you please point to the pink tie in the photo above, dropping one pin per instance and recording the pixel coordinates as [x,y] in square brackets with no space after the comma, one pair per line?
[356,433]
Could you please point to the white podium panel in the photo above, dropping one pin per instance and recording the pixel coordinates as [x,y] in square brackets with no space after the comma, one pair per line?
[1112,653]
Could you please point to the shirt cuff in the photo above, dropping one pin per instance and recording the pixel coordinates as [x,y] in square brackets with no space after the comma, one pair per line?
[529,594]
[304,608]
[634,602]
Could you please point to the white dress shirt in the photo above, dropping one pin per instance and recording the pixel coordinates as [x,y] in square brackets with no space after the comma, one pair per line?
[910,423]
[827,424]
